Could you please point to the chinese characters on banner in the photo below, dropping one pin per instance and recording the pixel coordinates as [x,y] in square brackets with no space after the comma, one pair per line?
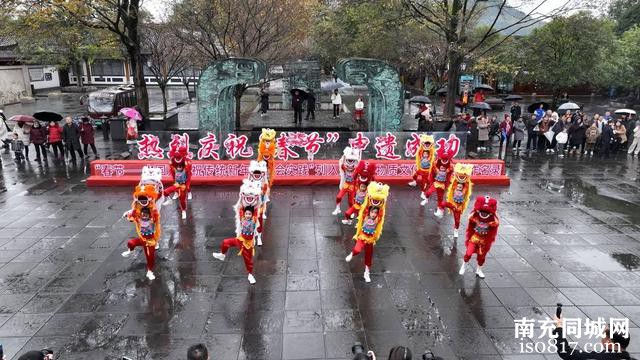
[289,145]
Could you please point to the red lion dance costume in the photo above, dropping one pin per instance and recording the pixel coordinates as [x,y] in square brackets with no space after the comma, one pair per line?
[347,167]
[267,152]
[247,219]
[481,232]
[440,176]
[365,173]
[180,169]
[370,223]
[146,218]
[459,193]
[425,157]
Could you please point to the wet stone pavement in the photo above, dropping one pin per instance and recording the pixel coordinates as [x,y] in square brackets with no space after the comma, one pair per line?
[569,234]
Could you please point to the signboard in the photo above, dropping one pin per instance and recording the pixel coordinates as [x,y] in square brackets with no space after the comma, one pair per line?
[292,172]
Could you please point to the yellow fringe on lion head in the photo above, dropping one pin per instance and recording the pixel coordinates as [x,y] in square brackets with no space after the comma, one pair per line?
[461,175]
[268,154]
[424,138]
[148,191]
[375,191]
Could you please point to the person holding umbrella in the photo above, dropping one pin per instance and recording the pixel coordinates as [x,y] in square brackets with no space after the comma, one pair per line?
[539,112]
[71,138]
[516,111]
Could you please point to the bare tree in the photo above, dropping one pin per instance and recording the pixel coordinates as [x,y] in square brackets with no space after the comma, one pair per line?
[271,30]
[166,56]
[120,17]
[455,20]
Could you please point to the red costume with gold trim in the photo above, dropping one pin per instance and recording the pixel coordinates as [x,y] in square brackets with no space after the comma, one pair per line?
[459,192]
[147,228]
[347,167]
[267,152]
[246,228]
[180,169]
[425,157]
[370,224]
[365,173]
[482,230]
[440,177]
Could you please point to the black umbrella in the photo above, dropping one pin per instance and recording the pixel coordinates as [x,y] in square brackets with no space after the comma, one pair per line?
[47,116]
[442,90]
[513,98]
[303,93]
[420,99]
[481,106]
[484,87]
[532,108]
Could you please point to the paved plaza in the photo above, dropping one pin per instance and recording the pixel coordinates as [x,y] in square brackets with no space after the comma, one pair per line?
[569,234]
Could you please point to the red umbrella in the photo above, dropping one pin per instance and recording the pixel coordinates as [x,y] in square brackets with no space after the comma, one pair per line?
[23,118]
[131,113]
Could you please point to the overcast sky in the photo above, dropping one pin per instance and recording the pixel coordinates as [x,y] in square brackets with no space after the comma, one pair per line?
[159,7]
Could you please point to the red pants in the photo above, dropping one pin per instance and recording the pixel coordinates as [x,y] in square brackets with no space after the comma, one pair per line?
[368,251]
[456,214]
[439,192]
[352,210]
[149,251]
[247,254]
[473,248]
[422,179]
[342,193]
[182,195]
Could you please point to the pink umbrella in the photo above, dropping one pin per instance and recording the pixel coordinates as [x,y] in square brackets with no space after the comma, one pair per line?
[23,118]
[131,113]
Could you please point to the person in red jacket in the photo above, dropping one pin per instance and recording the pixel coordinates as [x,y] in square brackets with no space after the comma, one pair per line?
[180,169]
[440,177]
[38,137]
[54,138]
[87,136]
[481,232]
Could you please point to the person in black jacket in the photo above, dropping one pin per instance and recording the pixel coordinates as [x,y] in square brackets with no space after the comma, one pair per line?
[606,138]
[516,111]
[296,104]
[71,138]
[615,343]
[311,105]
[264,102]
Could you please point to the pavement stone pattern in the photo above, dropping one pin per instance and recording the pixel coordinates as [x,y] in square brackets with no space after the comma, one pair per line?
[569,233]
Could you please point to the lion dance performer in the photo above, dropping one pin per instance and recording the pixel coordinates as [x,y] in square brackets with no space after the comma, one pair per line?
[459,193]
[425,156]
[370,222]
[364,174]
[247,219]
[146,217]
[267,152]
[347,167]
[153,176]
[440,176]
[180,169]
[481,232]
[258,172]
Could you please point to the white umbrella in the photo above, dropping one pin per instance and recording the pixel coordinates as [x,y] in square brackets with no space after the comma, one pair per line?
[625,112]
[569,106]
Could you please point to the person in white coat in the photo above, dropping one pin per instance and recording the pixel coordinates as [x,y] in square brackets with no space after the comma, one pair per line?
[336,100]
[359,113]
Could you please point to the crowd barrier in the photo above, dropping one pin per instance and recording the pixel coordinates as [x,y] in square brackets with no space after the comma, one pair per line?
[290,172]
